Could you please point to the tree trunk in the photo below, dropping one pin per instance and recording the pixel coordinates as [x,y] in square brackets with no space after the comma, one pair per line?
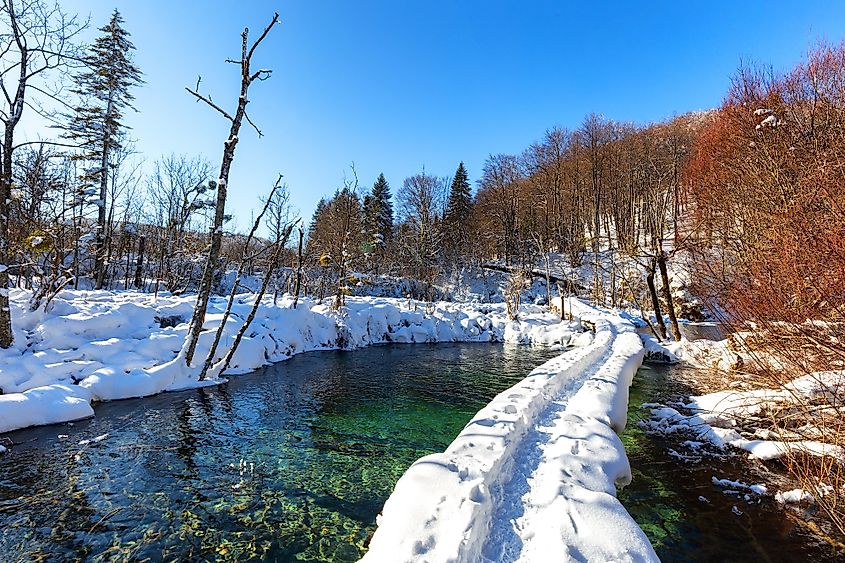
[298,269]
[99,260]
[211,264]
[224,364]
[667,296]
[126,245]
[548,281]
[139,265]
[5,198]
[241,267]
[15,112]
[655,301]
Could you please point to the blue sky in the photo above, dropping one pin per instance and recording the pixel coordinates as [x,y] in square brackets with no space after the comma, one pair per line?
[397,86]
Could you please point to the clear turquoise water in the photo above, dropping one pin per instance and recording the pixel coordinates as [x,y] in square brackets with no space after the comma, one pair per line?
[291,463]
[294,462]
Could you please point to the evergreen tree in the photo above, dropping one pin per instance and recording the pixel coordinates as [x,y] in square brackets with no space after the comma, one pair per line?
[96,123]
[378,214]
[458,210]
[322,206]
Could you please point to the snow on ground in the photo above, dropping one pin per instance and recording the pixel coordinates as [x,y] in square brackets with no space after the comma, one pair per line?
[699,353]
[534,473]
[716,416]
[794,496]
[101,345]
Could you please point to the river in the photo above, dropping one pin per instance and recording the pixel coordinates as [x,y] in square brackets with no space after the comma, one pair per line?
[292,462]
[295,461]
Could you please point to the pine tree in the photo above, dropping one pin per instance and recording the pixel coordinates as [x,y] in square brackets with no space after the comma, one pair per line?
[313,227]
[458,210]
[97,122]
[378,214]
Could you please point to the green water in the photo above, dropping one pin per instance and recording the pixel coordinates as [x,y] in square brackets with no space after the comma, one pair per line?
[292,463]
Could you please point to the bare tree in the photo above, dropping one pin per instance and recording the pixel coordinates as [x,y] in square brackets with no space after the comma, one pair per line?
[248,77]
[177,188]
[279,219]
[498,198]
[281,226]
[37,38]
[420,200]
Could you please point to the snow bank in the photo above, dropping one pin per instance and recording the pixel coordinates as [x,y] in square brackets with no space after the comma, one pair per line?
[826,385]
[100,345]
[450,506]
[667,420]
[665,353]
[724,407]
[44,405]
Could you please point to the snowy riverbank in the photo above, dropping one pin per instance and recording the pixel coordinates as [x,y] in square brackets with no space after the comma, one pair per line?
[535,471]
[99,345]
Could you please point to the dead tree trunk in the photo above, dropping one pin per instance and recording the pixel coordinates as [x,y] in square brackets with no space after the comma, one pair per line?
[246,259]
[5,199]
[211,264]
[298,268]
[223,365]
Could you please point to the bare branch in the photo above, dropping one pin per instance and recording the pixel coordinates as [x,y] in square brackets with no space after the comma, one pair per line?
[254,126]
[262,74]
[200,97]
[267,29]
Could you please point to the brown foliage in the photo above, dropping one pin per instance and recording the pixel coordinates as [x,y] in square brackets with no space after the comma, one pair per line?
[766,178]
[765,183]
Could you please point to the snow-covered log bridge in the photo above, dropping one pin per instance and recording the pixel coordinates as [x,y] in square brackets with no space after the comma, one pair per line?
[533,476]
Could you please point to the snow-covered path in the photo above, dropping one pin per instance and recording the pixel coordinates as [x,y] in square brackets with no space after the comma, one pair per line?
[527,497]
[533,476]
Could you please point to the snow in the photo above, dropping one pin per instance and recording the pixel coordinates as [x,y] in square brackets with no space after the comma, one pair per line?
[534,472]
[701,353]
[95,440]
[44,405]
[758,489]
[100,346]
[770,121]
[794,497]
[655,351]
[668,420]
[715,416]
[818,385]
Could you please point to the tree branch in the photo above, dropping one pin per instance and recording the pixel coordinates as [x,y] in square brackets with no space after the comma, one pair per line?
[200,97]
[267,29]
[254,126]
